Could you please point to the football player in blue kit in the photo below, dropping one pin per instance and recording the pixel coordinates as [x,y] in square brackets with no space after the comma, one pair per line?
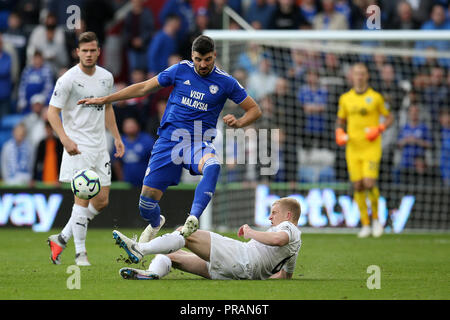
[186,130]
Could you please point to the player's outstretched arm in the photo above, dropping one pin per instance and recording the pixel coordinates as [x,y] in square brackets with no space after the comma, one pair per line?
[134,91]
[279,238]
[252,113]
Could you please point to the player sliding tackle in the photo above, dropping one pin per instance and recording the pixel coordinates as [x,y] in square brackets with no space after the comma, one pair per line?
[269,254]
[199,94]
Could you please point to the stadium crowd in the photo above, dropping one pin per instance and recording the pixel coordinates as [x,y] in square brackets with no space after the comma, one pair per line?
[298,93]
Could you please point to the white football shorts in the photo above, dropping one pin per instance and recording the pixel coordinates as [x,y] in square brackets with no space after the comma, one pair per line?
[100,162]
[228,259]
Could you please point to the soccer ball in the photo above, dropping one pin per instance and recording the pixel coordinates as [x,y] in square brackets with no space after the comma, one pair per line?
[85,184]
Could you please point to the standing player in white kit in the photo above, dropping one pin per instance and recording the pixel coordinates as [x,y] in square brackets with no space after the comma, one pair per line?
[82,132]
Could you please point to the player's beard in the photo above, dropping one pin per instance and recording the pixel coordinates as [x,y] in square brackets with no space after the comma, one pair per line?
[204,72]
[89,65]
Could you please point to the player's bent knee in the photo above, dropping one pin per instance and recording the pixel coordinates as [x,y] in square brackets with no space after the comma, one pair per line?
[151,193]
[176,258]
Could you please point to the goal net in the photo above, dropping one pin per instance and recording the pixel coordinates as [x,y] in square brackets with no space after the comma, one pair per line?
[297,79]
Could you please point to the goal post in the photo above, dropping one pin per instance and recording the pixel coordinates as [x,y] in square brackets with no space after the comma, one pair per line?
[297,78]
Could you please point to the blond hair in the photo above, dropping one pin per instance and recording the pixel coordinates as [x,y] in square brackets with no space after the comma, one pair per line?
[361,65]
[291,205]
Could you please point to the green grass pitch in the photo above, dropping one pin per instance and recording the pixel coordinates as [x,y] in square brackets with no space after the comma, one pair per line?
[330,266]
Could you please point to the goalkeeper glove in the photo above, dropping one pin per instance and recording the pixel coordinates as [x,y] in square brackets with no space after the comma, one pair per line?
[373,132]
[341,137]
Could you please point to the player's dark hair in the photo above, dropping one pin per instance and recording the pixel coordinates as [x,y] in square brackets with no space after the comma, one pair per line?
[203,45]
[86,37]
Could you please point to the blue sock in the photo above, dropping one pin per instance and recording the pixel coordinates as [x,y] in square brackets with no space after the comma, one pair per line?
[149,210]
[206,187]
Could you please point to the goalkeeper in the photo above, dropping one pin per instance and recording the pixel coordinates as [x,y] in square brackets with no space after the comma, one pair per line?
[358,127]
[269,254]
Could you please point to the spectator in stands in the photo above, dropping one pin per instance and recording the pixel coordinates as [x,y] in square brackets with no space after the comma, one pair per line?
[17,158]
[393,95]
[154,121]
[201,24]
[420,81]
[29,11]
[16,35]
[141,104]
[97,14]
[444,161]
[71,40]
[36,78]
[215,13]
[263,81]
[259,13]
[59,8]
[404,19]
[332,77]
[389,87]
[422,9]
[48,158]
[236,5]
[308,8]
[313,98]
[121,108]
[435,93]
[249,59]
[298,66]
[183,9]
[131,168]
[287,16]
[138,29]
[316,160]
[35,120]
[288,119]
[50,40]
[6,84]
[353,13]
[329,18]
[163,44]
[438,22]
[413,140]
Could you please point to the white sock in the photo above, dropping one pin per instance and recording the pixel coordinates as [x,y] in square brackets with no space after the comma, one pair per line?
[167,243]
[92,212]
[79,227]
[160,265]
[66,232]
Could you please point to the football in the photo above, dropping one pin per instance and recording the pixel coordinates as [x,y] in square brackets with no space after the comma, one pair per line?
[85,184]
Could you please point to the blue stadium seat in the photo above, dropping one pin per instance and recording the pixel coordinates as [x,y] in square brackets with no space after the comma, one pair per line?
[9,121]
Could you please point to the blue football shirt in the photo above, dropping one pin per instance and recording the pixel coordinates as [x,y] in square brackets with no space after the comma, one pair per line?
[195,102]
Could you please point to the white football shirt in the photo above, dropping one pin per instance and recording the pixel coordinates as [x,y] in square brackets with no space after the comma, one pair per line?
[84,124]
[267,260]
